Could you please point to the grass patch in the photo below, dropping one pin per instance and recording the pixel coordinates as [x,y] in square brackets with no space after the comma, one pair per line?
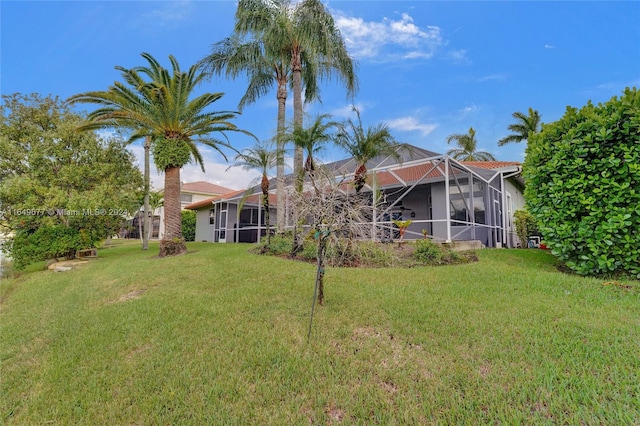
[218,336]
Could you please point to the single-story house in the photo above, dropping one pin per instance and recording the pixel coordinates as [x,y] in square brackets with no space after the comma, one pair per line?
[448,199]
[190,193]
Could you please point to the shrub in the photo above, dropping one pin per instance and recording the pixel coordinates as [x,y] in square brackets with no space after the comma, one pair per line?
[583,186]
[188,225]
[279,245]
[47,242]
[426,251]
[525,226]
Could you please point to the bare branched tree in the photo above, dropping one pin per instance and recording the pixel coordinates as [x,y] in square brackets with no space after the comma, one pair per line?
[331,213]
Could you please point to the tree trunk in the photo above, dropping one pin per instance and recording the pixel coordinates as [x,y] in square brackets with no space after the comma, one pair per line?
[173,243]
[147,178]
[296,67]
[360,178]
[280,184]
[265,204]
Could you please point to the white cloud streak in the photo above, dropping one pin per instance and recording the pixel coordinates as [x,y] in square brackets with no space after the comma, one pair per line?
[492,77]
[410,124]
[389,39]
[169,13]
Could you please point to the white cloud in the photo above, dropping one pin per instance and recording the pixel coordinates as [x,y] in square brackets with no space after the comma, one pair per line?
[459,56]
[465,112]
[408,124]
[169,13]
[549,46]
[215,171]
[492,77]
[389,38]
[347,111]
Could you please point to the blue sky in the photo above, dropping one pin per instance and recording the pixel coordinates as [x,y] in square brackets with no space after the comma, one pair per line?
[426,69]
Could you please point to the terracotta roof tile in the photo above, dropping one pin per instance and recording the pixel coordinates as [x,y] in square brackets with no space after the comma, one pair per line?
[202,187]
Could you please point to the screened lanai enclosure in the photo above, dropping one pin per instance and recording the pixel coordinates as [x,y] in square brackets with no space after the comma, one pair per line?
[446,200]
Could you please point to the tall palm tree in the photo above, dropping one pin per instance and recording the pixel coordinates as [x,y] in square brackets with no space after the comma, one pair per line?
[234,56]
[467,143]
[161,108]
[524,126]
[365,144]
[305,34]
[262,159]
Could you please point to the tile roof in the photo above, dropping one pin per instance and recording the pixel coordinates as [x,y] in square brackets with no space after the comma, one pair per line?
[202,187]
[254,199]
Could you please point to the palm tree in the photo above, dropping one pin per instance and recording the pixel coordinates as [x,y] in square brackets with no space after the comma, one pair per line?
[524,126]
[161,109]
[234,56]
[311,140]
[467,143]
[262,159]
[365,144]
[305,34]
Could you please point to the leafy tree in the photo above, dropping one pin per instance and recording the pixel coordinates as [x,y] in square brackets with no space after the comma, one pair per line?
[468,144]
[161,108]
[62,190]
[364,145]
[262,159]
[188,225]
[583,186]
[305,34]
[524,126]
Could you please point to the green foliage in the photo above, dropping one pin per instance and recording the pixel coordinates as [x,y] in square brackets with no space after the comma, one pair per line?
[345,253]
[429,253]
[402,224]
[47,242]
[525,226]
[280,244]
[59,183]
[188,225]
[170,153]
[583,186]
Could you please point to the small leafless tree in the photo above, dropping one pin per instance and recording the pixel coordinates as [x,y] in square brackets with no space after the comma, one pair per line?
[331,212]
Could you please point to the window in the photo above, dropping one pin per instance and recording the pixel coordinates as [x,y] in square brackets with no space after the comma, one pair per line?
[212,216]
[186,198]
[458,203]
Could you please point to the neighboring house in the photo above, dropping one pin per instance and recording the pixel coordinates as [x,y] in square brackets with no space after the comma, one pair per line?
[190,192]
[451,200]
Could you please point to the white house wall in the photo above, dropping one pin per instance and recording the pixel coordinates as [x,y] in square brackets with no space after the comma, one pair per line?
[204,231]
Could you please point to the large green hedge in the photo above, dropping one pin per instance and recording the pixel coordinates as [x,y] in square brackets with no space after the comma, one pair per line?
[583,186]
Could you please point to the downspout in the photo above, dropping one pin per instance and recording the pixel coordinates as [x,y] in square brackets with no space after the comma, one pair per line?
[259,221]
[447,198]
[374,200]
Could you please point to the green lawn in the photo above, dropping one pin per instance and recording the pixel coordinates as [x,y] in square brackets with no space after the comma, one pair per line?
[219,336]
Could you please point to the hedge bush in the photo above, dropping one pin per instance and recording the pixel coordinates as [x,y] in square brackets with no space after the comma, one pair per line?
[188,225]
[583,186]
